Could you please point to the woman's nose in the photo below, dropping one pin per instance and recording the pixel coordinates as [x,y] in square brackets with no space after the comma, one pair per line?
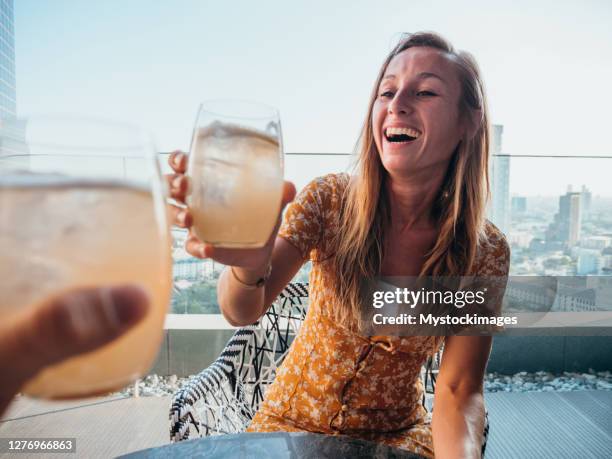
[399,105]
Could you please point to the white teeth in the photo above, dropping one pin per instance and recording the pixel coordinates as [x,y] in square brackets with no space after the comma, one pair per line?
[402,131]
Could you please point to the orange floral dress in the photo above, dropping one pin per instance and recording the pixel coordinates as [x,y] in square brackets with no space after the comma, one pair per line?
[334,381]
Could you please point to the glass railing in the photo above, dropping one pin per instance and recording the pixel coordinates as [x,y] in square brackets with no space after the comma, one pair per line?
[551,231]
[556,213]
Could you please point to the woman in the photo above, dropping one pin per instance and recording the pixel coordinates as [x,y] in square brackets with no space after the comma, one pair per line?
[415,206]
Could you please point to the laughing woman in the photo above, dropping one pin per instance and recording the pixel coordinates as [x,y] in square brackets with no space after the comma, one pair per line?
[415,205]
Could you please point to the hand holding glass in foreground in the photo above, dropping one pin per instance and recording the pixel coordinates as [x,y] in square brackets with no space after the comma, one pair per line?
[82,207]
[65,326]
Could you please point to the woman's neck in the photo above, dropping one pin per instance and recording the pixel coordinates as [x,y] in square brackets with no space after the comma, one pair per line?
[412,197]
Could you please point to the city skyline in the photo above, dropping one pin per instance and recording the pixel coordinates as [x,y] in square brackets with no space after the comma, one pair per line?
[107,66]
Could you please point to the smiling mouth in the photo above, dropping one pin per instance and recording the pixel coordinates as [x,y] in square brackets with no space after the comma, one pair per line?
[401,135]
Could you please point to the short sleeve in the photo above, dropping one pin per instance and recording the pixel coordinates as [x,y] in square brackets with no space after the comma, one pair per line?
[311,221]
[494,268]
[495,259]
[302,224]
[492,272]
[488,281]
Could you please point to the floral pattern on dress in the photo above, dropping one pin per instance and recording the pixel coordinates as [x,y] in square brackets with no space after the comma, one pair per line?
[335,381]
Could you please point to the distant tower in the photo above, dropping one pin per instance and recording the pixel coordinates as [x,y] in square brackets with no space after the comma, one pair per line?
[12,138]
[8,92]
[519,205]
[570,218]
[585,203]
[499,174]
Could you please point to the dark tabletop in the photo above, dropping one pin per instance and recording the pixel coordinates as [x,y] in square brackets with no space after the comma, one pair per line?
[277,445]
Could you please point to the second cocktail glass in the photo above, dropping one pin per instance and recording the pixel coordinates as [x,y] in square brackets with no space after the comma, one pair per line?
[236,172]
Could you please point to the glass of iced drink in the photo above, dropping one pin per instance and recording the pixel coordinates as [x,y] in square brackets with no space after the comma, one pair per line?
[236,172]
[81,205]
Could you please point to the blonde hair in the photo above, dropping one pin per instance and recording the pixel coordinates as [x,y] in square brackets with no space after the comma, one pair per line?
[459,207]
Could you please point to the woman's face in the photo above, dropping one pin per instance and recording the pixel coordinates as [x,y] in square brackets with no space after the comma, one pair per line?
[415,118]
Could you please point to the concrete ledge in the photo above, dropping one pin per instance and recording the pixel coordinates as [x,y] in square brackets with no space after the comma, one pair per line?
[196,322]
[189,349]
[511,354]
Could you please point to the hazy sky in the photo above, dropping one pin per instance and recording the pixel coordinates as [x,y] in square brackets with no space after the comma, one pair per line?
[547,66]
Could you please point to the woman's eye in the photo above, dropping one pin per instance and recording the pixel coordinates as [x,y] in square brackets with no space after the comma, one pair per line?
[386,94]
[425,93]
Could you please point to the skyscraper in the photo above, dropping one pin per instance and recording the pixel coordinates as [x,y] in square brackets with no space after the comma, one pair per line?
[570,217]
[519,205]
[564,230]
[499,174]
[585,204]
[12,140]
[8,103]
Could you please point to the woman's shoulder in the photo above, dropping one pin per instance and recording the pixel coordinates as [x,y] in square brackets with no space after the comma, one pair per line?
[494,236]
[328,189]
[493,256]
[331,183]
[312,218]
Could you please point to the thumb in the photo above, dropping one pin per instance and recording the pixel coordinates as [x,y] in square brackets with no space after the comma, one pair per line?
[84,320]
[288,193]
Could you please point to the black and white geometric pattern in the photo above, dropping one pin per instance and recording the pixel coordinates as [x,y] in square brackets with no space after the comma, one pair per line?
[223,398]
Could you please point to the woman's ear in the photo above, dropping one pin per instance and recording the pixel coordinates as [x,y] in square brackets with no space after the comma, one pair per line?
[473,121]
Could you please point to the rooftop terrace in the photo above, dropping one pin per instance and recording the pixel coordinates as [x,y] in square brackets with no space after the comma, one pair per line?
[523,425]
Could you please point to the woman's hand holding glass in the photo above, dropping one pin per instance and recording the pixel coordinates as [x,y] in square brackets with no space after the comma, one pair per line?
[251,260]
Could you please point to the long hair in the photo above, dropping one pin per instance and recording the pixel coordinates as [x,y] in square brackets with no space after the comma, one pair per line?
[459,208]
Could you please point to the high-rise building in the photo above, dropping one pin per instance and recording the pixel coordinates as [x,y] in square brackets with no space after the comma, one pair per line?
[8,103]
[596,242]
[564,230]
[519,205]
[570,218]
[585,203]
[499,174]
[12,140]
[606,255]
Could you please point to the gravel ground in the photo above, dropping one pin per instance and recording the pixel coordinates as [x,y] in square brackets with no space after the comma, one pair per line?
[541,381]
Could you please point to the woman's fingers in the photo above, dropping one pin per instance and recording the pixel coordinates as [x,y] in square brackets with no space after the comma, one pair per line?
[178,186]
[288,193]
[178,183]
[195,247]
[178,161]
[179,216]
[247,258]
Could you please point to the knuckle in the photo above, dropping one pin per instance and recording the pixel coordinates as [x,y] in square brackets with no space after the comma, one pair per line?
[75,319]
[57,331]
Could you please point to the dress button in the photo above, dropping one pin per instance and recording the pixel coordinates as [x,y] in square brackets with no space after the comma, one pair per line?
[344,407]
